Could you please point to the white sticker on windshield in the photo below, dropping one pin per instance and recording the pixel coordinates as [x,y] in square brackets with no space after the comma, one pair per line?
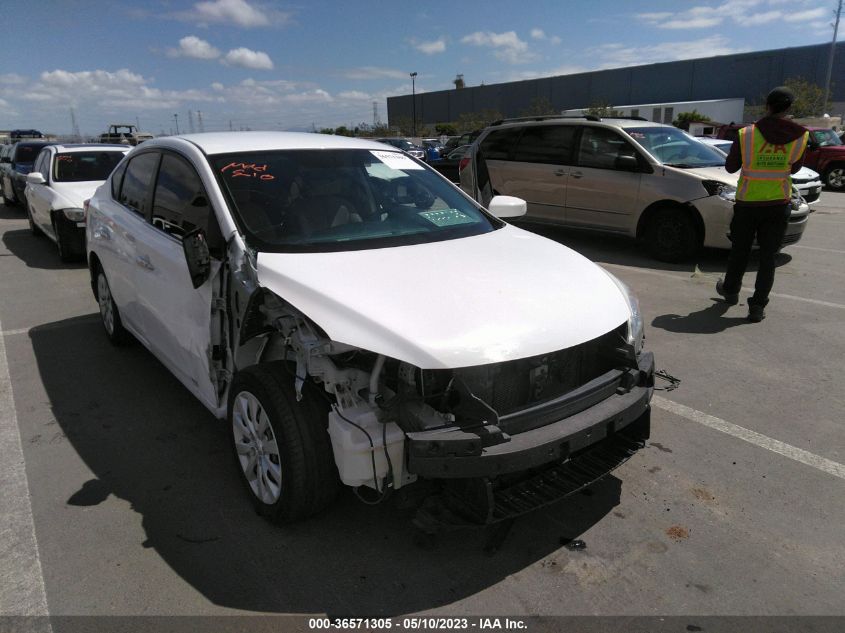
[396,160]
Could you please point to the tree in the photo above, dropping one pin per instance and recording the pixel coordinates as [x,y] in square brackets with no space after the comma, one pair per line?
[540,106]
[326,130]
[471,121]
[809,98]
[602,109]
[343,131]
[448,129]
[685,118]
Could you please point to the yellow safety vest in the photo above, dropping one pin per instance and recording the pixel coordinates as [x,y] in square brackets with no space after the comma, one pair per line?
[766,167]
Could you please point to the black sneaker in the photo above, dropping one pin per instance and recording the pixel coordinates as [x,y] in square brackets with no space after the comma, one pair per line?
[732,299]
[756,313]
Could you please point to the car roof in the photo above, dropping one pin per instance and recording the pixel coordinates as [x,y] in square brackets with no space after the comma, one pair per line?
[231,142]
[88,147]
[578,120]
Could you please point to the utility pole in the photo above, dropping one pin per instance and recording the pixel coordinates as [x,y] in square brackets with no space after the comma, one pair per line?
[77,137]
[191,121]
[230,125]
[199,120]
[830,58]
[414,102]
[176,119]
[375,114]
[137,124]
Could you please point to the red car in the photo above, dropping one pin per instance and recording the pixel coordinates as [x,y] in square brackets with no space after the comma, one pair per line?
[825,153]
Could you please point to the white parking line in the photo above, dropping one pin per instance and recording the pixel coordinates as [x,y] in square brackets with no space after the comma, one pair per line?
[684,277]
[22,581]
[22,330]
[816,248]
[758,439]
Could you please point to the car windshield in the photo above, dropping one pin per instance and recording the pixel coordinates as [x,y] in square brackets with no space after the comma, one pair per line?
[84,166]
[340,200]
[826,138]
[675,148]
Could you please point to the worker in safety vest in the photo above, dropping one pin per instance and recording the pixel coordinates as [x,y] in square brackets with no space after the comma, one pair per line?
[767,152]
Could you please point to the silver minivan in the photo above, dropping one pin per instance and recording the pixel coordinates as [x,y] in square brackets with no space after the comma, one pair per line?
[621,175]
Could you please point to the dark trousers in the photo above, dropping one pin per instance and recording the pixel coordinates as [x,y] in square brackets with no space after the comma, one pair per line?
[768,225]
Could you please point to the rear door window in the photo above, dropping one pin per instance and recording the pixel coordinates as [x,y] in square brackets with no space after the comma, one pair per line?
[551,144]
[137,182]
[498,145]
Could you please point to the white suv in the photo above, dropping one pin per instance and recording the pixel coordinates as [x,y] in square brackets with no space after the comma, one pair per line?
[627,176]
[351,314]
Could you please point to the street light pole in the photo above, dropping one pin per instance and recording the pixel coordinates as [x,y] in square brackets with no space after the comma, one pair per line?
[414,103]
[176,119]
[830,58]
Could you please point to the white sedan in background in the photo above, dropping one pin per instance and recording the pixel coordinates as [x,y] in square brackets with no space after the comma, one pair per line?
[62,178]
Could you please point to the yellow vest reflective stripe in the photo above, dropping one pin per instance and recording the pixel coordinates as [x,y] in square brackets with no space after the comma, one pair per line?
[766,167]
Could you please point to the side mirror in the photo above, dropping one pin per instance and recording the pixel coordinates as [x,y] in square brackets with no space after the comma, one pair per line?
[197,257]
[35,178]
[507,207]
[626,163]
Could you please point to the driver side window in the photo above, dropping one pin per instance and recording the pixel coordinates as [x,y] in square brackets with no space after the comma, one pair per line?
[600,147]
[180,202]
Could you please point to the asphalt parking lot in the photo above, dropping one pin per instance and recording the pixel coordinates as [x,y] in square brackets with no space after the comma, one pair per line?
[122,498]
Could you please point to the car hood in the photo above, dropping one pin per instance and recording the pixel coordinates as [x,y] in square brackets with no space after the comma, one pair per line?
[805,173]
[714,173]
[70,195]
[499,296]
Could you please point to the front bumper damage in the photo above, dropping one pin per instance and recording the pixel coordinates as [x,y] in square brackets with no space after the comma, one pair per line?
[545,452]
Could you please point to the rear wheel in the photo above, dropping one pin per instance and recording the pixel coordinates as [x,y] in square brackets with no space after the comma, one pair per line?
[108,312]
[281,446]
[835,177]
[670,235]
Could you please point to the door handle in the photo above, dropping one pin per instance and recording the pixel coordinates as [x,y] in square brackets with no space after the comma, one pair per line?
[560,172]
[575,174]
[144,262]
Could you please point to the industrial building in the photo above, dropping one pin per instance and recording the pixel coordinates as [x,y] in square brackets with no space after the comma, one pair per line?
[747,76]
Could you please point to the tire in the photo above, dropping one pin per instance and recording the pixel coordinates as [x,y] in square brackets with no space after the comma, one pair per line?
[670,235]
[109,314]
[33,228]
[835,177]
[286,440]
[67,252]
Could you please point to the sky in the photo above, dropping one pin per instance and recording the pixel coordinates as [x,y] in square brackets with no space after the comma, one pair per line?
[267,64]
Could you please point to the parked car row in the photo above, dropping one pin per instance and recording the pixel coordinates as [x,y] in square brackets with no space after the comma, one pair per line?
[628,176]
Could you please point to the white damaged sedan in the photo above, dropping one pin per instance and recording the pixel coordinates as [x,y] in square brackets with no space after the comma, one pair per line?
[357,319]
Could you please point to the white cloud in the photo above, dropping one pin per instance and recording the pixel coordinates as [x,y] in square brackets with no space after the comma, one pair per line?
[239,12]
[217,86]
[700,22]
[736,12]
[374,72]
[12,79]
[431,48]
[195,48]
[246,58]
[506,46]
[617,55]
[355,95]
[538,34]
[807,16]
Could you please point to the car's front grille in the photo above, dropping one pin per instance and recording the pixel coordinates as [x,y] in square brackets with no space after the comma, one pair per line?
[514,384]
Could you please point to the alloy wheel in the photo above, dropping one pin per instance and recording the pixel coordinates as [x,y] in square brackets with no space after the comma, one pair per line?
[257,449]
[105,302]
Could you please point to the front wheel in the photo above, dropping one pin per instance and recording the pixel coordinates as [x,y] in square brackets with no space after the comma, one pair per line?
[670,235]
[33,228]
[281,446]
[835,177]
[68,244]
[109,314]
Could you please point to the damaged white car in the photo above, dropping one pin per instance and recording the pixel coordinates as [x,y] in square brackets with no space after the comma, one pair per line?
[356,318]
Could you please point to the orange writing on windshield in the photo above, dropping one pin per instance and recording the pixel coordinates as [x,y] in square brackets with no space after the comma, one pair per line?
[247,170]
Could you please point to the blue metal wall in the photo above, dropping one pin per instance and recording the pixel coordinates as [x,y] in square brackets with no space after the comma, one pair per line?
[748,75]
